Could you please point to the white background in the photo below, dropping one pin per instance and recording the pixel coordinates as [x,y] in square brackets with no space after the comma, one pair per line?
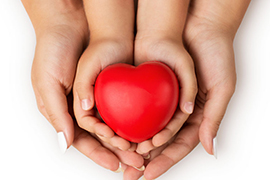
[28,143]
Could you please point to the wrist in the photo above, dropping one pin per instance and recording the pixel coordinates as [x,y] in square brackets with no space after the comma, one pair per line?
[162,19]
[126,40]
[114,45]
[51,15]
[158,36]
[111,35]
[221,15]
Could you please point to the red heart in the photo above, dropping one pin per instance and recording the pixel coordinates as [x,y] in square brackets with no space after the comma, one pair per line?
[137,102]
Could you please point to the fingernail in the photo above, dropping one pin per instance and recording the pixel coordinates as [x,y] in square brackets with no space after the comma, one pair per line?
[119,168]
[215,147]
[143,178]
[62,142]
[86,104]
[188,107]
[140,169]
[101,135]
[147,156]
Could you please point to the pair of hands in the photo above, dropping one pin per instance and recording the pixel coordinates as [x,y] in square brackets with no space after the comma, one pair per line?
[63,35]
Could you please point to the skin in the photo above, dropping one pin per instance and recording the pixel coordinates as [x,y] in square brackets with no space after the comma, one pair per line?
[107,46]
[59,46]
[161,39]
[208,35]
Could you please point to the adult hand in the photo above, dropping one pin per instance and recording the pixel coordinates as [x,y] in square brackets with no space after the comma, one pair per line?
[209,35]
[209,38]
[62,34]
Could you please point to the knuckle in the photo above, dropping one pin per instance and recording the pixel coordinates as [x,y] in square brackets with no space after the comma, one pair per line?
[194,89]
[231,87]
[214,124]
[80,88]
[53,118]
[80,124]
[41,108]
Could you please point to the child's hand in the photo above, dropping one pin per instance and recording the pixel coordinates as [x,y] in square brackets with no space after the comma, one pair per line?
[111,25]
[62,33]
[159,37]
[209,39]
[96,57]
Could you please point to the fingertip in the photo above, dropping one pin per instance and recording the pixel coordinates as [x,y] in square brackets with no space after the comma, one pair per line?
[86,96]
[120,143]
[145,147]
[188,107]
[62,142]
[207,139]
[86,104]
[65,137]
[161,138]
[103,130]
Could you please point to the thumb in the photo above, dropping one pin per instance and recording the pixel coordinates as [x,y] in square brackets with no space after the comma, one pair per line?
[185,71]
[214,110]
[86,74]
[56,107]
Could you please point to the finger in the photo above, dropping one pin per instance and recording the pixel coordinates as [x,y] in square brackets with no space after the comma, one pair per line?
[133,147]
[87,72]
[145,147]
[40,103]
[117,142]
[214,110]
[184,69]
[171,129]
[90,147]
[184,143]
[129,158]
[55,103]
[88,121]
[132,174]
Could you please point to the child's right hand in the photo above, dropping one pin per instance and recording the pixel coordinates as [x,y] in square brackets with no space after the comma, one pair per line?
[111,25]
[98,55]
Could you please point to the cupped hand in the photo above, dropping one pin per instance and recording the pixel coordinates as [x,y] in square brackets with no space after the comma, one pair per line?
[214,64]
[98,55]
[172,53]
[161,39]
[211,48]
[61,34]
[210,43]
[111,25]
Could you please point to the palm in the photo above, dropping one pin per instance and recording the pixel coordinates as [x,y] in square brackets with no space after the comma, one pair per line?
[212,53]
[59,48]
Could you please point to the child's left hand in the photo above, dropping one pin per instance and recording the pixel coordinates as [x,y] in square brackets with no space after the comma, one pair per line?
[161,39]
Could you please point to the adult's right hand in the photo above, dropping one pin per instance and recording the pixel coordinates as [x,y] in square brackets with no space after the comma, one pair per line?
[62,35]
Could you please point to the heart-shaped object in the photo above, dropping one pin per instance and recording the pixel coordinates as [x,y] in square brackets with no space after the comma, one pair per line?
[137,102]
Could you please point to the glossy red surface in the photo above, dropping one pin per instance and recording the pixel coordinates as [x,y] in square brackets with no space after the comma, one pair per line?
[137,102]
